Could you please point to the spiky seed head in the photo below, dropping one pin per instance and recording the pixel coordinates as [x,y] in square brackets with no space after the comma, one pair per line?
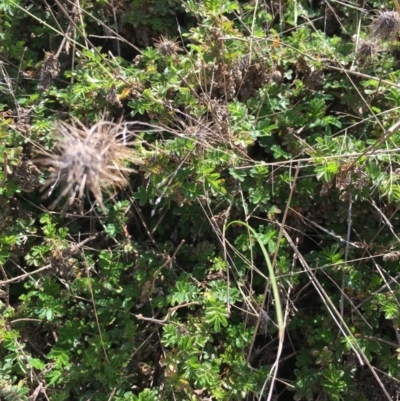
[366,48]
[276,76]
[88,158]
[386,26]
[27,175]
[314,79]
[50,70]
[166,46]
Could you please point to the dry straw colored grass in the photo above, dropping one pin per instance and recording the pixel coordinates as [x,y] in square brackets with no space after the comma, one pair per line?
[89,158]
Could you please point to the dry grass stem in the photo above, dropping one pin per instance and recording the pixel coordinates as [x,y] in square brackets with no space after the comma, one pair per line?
[89,158]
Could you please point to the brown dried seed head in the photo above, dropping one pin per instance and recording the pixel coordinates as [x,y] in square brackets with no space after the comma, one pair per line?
[386,26]
[167,47]
[88,158]
[276,76]
[112,97]
[50,70]
[27,175]
[366,48]
[391,256]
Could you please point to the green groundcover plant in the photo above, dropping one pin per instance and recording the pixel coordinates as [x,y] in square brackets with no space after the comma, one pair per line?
[199,200]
